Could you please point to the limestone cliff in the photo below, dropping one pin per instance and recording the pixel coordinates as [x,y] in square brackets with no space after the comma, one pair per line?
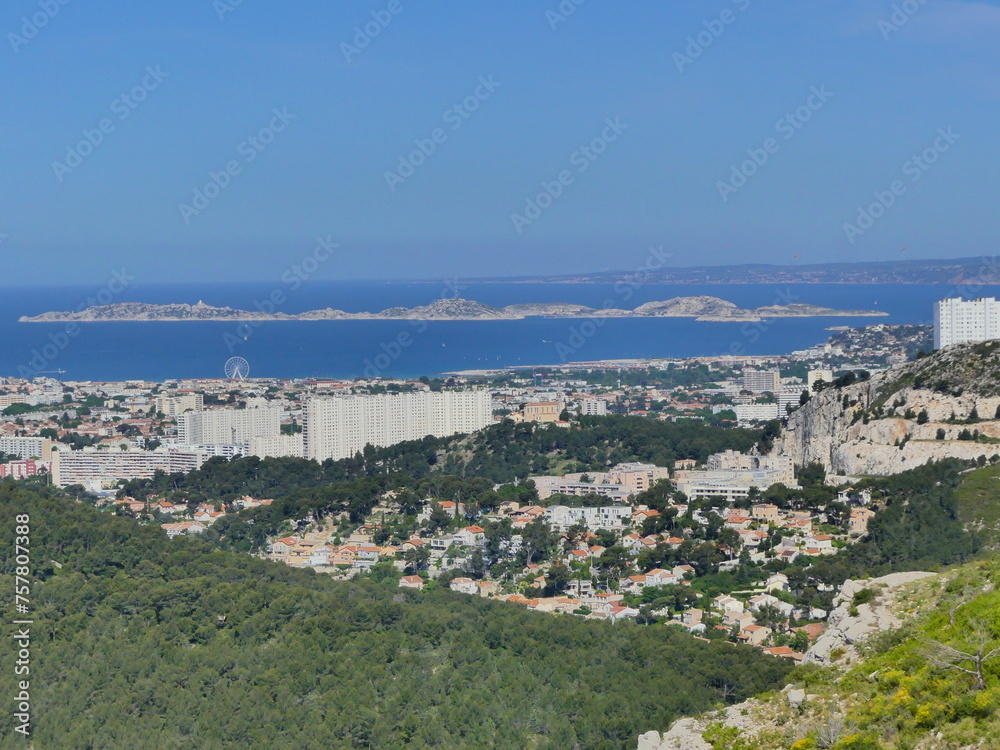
[903,417]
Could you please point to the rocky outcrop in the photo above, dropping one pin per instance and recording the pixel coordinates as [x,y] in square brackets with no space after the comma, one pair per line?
[903,417]
[851,624]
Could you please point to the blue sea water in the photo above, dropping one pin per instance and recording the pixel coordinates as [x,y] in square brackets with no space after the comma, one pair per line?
[344,349]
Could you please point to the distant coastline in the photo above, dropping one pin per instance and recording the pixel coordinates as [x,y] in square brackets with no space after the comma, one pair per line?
[978,270]
[702,308]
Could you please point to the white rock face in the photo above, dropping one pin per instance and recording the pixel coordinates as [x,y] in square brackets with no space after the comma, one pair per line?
[846,631]
[825,431]
[684,735]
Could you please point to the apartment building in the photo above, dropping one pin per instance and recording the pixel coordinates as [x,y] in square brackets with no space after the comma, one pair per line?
[277,446]
[176,404]
[228,426]
[761,381]
[730,475]
[101,468]
[340,426]
[757,412]
[593,407]
[26,447]
[636,477]
[958,321]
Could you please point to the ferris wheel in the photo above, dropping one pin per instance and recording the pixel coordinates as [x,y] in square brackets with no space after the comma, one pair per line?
[237,368]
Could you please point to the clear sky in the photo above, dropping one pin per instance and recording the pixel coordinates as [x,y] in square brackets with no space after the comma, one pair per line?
[692,90]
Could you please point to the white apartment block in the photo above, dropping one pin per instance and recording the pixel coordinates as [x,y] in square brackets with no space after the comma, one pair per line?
[177,404]
[730,475]
[100,468]
[609,517]
[958,321]
[789,397]
[780,468]
[26,447]
[341,426]
[756,412]
[761,381]
[277,446]
[228,426]
[594,407]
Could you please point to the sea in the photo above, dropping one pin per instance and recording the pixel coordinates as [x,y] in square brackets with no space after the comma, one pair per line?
[348,349]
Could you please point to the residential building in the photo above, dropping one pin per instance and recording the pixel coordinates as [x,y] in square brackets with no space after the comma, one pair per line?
[636,477]
[593,407]
[26,447]
[957,321]
[730,475]
[228,426]
[757,412]
[341,426]
[27,468]
[101,468]
[277,446]
[608,517]
[761,381]
[176,404]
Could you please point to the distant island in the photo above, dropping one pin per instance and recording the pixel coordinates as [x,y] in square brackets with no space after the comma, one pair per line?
[975,270]
[703,308]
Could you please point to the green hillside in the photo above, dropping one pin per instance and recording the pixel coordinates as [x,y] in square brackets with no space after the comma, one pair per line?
[143,643]
[915,689]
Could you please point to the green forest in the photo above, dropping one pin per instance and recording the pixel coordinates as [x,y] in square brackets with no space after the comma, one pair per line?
[140,642]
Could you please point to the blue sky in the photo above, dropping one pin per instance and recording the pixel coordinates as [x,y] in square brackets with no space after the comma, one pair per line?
[694,90]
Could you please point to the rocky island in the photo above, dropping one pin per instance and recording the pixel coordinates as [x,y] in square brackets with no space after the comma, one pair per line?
[703,308]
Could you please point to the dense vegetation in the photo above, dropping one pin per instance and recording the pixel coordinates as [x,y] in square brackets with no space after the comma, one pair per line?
[144,643]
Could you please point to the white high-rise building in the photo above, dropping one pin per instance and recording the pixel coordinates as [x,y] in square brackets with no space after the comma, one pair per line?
[228,426]
[99,468]
[341,426]
[958,321]
[761,381]
[26,447]
[177,404]
[756,412]
[593,407]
